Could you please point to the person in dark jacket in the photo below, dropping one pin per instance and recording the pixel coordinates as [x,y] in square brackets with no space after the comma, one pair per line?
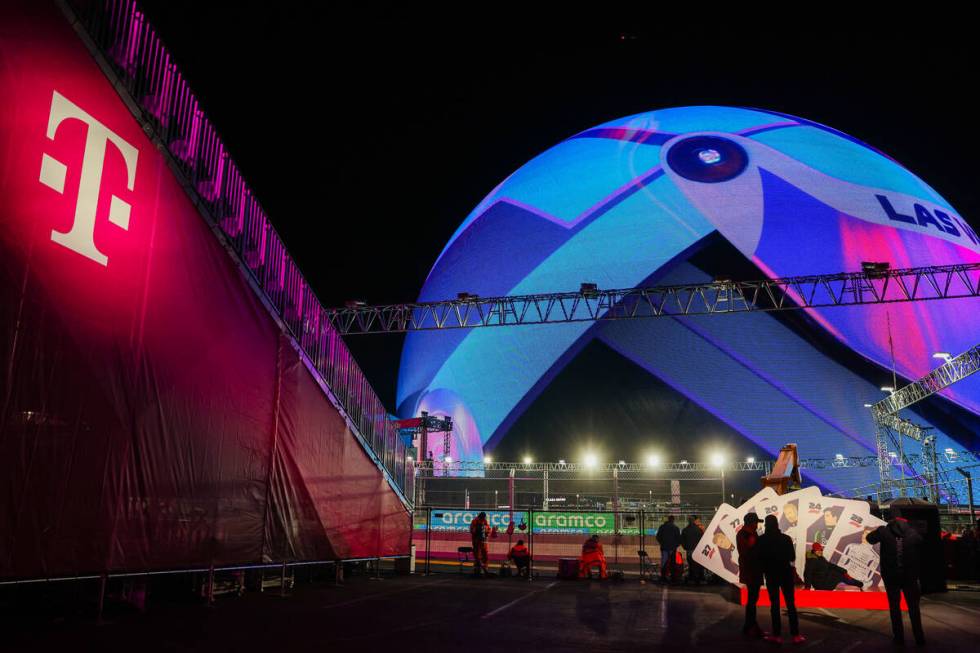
[776,555]
[901,557]
[749,571]
[669,537]
[821,574]
[690,537]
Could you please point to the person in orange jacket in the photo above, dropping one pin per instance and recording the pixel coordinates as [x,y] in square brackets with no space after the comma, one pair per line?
[521,558]
[592,553]
[479,534]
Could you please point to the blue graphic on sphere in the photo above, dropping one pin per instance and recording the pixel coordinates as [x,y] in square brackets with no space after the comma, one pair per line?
[626,204]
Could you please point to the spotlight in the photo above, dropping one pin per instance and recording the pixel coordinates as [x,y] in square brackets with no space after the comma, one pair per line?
[867,405]
[653,460]
[447,459]
[887,388]
[622,462]
[528,460]
[561,462]
[683,462]
[946,356]
[750,460]
[591,461]
[717,459]
[487,460]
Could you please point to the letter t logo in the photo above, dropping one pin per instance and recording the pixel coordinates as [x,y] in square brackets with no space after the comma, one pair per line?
[81,237]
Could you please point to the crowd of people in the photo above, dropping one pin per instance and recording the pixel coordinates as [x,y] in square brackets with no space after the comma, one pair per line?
[765,560]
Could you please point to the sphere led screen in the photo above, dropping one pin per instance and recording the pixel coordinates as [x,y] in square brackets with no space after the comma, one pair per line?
[626,204]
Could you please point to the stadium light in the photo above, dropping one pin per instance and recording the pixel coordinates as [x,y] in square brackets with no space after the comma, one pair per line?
[750,460]
[447,459]
[867,405]
[591,461]
[622,462]
[946,356]
[528,460]
[683,462]
[561,462]
[887,388]
[653,460]
[717,459]
[487,460]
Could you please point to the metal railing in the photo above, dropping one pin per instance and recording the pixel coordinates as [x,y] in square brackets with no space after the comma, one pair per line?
[171,115]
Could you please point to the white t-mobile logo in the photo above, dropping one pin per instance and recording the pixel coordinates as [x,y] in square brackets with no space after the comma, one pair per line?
[81,237]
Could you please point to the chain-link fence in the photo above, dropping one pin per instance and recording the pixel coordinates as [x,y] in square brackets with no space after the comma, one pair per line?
[560,486]
[442,539]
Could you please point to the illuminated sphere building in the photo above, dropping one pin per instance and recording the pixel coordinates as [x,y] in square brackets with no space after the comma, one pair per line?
[693,194]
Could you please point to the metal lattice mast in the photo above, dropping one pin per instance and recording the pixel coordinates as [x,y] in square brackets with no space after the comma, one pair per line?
[886,419]
[590,304]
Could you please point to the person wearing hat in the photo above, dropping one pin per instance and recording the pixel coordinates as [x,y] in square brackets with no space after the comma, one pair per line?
[749,571]
[821,574]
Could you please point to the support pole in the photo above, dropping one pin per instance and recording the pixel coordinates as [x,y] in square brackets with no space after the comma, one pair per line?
[428,540]
[544,496]
[530,542]
[723,495]
[210,588]
[102,586]
[282,580]
[969,491]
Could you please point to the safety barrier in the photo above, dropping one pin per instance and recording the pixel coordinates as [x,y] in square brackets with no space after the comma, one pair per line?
[438,534]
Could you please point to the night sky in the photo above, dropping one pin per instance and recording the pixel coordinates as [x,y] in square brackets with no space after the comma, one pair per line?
[368,135]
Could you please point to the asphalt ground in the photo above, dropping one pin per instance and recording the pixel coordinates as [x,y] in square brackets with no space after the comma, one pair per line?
[454,612]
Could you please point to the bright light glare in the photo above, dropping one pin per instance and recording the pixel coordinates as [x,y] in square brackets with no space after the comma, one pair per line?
[448,459]
[528,460]
[653,460]
[887,388]
[867,405]
[622,462]
[946,356]
[561,462]
[717,459]
[750,459]
[487,460]
[591,460]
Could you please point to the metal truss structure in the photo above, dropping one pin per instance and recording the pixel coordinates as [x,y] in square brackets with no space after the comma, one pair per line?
[942,377]
[890,429]
[590,304]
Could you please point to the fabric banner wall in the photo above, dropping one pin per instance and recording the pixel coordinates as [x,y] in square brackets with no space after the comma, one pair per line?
[152,413]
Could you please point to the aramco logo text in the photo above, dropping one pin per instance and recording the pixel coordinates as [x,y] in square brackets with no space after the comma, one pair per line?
[574,522]
[81,237]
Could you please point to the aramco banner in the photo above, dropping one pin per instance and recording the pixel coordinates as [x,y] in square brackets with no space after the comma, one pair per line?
[596,523]
[459,520]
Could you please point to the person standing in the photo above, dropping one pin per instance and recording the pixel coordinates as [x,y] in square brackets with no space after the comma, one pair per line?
[690,537]
[776,555]
[669,537]
[749,571]
[901,557]
[479,532]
